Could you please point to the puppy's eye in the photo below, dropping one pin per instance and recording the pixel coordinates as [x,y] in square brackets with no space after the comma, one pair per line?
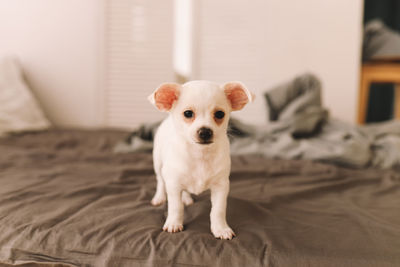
[188,114]
[219,114]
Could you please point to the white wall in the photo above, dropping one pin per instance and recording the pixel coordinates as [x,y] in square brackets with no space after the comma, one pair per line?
[57,42]
[261,42]
[265,42]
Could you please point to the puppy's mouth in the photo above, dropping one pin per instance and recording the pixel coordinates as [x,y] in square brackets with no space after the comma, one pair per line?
[204,142]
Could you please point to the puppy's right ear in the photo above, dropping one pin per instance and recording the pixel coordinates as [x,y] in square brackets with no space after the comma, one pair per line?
[165,96]
[237,94]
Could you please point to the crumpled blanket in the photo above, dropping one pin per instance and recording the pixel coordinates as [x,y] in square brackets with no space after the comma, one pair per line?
[380,42]
[300,128]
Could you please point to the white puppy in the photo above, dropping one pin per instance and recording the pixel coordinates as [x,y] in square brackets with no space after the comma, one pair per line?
[191,148]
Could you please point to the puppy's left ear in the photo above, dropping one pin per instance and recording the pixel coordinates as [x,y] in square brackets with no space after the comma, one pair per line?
[165,96]
[237,94]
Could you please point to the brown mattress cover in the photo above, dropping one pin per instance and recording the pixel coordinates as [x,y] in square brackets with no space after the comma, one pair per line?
[67,200]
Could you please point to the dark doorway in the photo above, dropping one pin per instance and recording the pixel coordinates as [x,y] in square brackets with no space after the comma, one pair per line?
[380,106]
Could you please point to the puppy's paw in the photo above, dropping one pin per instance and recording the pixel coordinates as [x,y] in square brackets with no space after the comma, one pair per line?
[158,200]
[187,199]
[223,232]
[172,227]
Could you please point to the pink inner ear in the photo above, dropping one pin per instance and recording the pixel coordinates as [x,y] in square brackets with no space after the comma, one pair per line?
[165,96]
[237,96]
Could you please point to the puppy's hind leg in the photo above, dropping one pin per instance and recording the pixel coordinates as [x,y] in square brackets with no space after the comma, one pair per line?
[186,198]
[160,196]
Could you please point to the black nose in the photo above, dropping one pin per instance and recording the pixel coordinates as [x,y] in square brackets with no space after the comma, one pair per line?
[205,134]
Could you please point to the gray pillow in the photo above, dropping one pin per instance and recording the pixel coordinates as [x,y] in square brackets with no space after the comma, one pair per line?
[19,110]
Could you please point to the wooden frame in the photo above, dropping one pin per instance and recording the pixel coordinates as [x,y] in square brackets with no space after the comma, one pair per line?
[383,72]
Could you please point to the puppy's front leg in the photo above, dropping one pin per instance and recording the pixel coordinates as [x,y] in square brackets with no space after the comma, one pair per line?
[219,227]
[174,222]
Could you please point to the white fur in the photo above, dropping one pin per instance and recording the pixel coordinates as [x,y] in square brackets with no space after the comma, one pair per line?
[184,166]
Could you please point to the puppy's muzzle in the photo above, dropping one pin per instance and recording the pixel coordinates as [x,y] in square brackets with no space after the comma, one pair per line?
[205,135]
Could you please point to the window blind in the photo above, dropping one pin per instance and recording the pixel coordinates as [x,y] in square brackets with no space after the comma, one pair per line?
[138,57]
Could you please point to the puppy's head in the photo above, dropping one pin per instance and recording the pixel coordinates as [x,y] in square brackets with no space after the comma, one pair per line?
[201,109]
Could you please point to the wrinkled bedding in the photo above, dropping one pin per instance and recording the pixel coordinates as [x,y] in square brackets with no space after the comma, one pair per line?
[67,200]
[300,128]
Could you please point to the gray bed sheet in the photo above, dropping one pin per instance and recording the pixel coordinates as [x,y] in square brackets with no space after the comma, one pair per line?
[67,200]
[300,128]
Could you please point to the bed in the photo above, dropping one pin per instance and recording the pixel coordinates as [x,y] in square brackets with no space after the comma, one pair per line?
[66,199]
